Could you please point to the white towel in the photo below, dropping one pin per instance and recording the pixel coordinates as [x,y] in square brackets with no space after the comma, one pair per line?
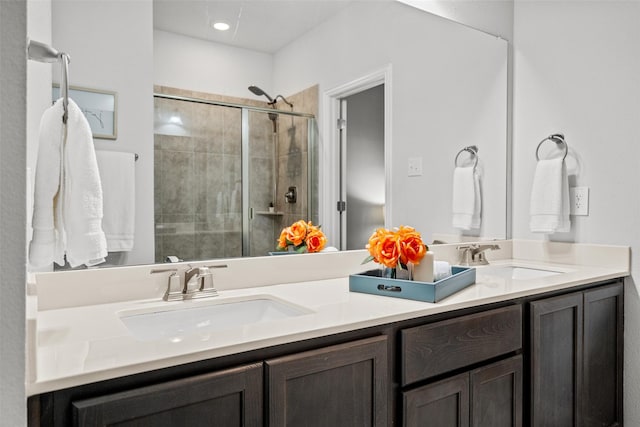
[67,214]
[467,200]
[549,206]
[117,174]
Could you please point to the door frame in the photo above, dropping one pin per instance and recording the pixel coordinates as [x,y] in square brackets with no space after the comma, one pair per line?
[329,171]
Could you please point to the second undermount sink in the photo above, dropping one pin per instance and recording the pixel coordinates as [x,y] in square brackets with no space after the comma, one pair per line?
[187,318]
[518,272]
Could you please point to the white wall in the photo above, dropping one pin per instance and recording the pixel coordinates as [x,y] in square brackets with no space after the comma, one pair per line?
[188,63]
[493,17]
[438,105]
[13,94]
[111,48]
[577,71]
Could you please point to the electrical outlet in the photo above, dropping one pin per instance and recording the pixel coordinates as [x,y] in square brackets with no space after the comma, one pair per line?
[415,166]
[579,197]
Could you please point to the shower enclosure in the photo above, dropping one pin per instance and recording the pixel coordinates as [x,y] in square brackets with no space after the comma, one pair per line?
[221,172]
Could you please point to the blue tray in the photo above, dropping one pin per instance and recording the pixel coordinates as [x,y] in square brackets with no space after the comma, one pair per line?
[371,282]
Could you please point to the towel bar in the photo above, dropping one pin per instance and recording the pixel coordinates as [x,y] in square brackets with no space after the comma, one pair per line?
[41,52]
[558,138]
[472,150]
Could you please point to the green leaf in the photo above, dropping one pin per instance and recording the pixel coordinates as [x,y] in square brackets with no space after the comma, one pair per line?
[367,259]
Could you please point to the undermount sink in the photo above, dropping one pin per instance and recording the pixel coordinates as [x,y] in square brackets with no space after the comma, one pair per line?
[518,272]
[192,317]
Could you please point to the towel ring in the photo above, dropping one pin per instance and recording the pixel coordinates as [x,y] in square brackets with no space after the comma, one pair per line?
[558,138]
[472,150]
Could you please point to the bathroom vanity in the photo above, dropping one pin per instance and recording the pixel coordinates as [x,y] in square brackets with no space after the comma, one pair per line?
[540,350]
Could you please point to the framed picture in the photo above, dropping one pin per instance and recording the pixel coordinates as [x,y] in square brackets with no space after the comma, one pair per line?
[98,106]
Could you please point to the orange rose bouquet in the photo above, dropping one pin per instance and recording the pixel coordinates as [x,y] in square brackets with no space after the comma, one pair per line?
[396,248]
[302,237]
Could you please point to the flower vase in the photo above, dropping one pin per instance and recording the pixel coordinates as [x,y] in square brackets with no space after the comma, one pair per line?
[389,273]
[398,273]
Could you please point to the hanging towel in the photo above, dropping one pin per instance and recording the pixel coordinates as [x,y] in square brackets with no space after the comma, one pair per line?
[67,214]
[549,206]
[467,200]
[46,244]
[117,174]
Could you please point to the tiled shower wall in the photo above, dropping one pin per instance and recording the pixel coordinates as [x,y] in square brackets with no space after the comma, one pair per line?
[293,167]
[198,186]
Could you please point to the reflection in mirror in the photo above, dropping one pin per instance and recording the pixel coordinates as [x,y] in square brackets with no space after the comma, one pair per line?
[220,166]
[448,90]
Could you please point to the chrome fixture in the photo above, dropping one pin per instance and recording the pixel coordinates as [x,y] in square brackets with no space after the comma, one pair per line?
[37,51]
[473,254]
[291,196]
[272,101]
[558,138]
[473,152]
[192,283]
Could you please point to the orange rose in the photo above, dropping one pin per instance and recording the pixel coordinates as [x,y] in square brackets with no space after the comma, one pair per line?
[316,240]
[282,240]
[384,247]
[412,248]
[297,232]
[374,242]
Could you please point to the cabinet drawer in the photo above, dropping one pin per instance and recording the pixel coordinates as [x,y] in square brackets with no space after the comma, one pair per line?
[441,347]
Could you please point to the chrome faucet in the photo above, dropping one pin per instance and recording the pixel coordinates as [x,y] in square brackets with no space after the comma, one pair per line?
[473,254]
[198,279]
[196,282]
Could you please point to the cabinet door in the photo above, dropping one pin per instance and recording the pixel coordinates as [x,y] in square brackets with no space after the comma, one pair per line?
[441,404]
[556,361]
[228,398]
[603,349]
[496,394]
[342,385]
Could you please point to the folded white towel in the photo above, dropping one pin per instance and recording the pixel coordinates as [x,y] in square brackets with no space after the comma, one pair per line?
[117,175]
[67,214]
[467,198]
[441,270]
[549,206]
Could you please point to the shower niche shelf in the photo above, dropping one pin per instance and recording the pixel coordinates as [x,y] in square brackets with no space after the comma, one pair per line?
[267,213]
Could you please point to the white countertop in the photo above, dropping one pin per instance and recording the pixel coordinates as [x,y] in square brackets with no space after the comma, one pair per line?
[82,344]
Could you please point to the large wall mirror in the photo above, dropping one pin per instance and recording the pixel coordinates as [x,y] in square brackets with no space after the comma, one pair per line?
[216,159]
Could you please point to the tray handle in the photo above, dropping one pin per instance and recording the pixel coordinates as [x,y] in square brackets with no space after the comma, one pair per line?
[389,288]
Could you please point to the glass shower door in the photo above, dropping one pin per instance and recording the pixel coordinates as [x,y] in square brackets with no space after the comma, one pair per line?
[260,172]
[281,160]
[197,180]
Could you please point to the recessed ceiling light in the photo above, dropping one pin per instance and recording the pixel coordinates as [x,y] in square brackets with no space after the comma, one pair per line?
[176,120]
[221,26]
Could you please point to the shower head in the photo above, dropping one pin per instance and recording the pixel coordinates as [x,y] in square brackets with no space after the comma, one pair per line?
[257,91]
[272,101]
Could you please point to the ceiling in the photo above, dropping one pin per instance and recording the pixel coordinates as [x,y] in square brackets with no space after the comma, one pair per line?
[261,25]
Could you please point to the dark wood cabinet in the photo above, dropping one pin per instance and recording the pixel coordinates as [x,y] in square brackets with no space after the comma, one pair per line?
[576,358]
[490,396]
[442,347]
[441,404]
[231,397]
[343,385]
[561,353]
[496,394]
